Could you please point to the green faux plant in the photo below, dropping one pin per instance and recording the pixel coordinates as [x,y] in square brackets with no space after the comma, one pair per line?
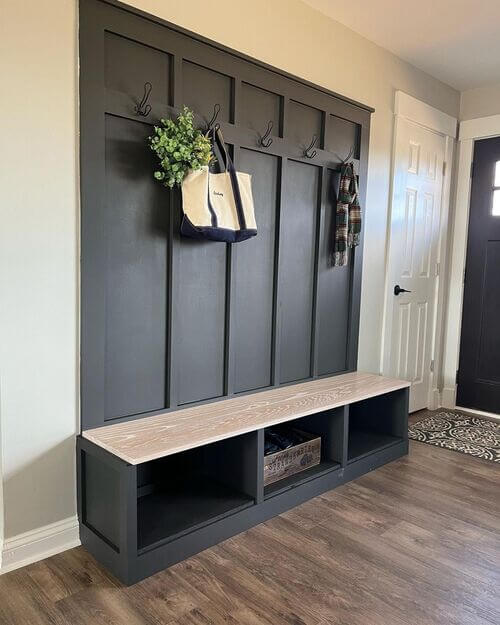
[179,147]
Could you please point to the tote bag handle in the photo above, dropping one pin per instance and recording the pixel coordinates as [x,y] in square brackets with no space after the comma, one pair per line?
[222,156]
[226,164]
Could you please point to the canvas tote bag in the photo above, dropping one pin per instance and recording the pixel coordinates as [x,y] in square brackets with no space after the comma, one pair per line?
[220,206]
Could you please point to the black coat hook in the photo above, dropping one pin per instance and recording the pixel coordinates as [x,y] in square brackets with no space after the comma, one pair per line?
[349,156]
[142,108]
[263,142]
[214,117]
[307,151]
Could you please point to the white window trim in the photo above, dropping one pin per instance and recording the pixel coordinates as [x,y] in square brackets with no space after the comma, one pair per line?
[470,131]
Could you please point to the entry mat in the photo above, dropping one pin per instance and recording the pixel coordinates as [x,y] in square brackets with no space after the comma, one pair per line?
[459,432]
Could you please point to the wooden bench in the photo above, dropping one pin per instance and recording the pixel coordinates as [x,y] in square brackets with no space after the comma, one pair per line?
[156,490]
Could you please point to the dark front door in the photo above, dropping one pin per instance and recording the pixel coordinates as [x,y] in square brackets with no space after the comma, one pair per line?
[479,368]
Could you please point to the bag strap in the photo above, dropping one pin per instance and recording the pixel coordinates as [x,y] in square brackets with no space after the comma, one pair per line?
[220,151]
[226,164]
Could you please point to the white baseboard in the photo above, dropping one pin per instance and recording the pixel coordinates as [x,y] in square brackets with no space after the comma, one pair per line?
[38,544]
[448,397]
[435,399]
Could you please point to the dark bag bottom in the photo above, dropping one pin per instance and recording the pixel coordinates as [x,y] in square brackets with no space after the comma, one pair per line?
[214,234]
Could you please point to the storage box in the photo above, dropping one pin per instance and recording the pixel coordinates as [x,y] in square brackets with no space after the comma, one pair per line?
[289,461]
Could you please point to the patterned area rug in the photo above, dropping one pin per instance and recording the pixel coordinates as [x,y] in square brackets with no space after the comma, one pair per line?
[459,432]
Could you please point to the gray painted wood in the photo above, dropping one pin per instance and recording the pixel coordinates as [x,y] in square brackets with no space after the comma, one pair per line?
[259,107]
[198,371]
[203,88]
[237,462]
[341,136]
[129,64]
[385,414]
[136,227]
[297,260]
[200,327]
[185,343]
[133,565]
[304,122]
[101,496]
[329,426]
[253,267]
[333,290]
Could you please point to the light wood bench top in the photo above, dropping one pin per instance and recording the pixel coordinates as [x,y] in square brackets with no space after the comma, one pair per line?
[168,433]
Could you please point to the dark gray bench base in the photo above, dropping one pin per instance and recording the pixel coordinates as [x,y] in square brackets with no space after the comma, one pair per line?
[138,520]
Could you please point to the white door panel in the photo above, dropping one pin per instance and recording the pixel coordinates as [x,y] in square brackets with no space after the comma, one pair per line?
[414,239]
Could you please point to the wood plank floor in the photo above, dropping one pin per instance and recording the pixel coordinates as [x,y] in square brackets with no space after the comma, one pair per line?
[416,542]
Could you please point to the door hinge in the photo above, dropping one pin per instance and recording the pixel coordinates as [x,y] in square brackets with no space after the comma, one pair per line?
[444,168]
[456,376]
[465,273]
[432,366]
[438,268]
[472,169]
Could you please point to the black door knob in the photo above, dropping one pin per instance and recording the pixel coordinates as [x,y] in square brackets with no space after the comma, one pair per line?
[398,290]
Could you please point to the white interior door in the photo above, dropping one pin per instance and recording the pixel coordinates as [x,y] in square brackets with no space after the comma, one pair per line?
[412,263]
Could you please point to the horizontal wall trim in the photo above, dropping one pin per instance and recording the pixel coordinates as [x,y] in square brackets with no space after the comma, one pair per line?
[39,544]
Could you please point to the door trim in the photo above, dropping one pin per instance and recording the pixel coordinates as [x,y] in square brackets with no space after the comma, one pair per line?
[470,132]
[408,108]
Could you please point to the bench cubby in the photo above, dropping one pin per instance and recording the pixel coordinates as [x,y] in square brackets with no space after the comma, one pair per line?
[375,424]
[184,492]
[330,426]
[157,490]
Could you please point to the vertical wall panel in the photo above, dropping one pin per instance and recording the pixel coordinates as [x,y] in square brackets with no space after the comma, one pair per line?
[136,223]
[253,267]
[200,277]
[297,259]
[198,369]
[333,291]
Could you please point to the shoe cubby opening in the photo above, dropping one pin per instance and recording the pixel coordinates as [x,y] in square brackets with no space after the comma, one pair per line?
[184,492]
[328,426]
[376,423]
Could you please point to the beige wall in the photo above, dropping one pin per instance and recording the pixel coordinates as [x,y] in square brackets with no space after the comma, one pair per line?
[480,102]
[38,237]
[38,261]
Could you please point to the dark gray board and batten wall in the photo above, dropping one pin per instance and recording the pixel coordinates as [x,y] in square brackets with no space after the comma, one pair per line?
[167,321]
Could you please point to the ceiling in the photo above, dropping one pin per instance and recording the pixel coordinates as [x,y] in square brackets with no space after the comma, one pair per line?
[456,41]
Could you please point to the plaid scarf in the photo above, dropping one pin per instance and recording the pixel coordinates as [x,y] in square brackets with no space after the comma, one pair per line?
[348,217]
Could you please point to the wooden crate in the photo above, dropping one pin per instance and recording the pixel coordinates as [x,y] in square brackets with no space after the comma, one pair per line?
[284,463]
